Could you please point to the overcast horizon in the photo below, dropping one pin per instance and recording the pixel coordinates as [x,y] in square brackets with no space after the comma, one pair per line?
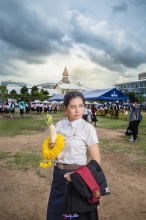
[100,43]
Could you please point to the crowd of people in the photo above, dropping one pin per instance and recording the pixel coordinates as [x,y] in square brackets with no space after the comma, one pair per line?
[92,110]
[7,109]
[39,107]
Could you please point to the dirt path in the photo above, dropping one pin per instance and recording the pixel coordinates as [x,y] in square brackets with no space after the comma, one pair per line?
[24,195]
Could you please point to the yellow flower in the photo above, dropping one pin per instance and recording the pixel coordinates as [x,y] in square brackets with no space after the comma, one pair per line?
[45,164]
[50,154]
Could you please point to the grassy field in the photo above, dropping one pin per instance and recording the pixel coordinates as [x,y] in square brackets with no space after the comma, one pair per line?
[33,124]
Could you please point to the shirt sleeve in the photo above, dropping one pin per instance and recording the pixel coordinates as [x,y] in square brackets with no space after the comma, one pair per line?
[57,126]
[91,136]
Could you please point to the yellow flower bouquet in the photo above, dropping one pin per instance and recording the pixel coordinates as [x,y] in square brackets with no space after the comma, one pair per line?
[49,153]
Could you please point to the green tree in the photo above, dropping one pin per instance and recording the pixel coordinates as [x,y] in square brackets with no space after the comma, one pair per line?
[24,90]
[34,89]
[13,92]
[131,95]
[3,90]
[141,99]
[44,92]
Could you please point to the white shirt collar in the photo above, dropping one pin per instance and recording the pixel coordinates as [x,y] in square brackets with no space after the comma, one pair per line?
[75,122]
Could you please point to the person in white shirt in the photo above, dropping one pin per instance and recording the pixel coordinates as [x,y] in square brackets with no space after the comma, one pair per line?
[12,109]
[79,136]
[32,108]
[89,118]
[21,110]
[85,113]
[1,109]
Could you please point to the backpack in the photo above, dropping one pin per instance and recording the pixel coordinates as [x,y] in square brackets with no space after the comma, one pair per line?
[140,116]
[128,131]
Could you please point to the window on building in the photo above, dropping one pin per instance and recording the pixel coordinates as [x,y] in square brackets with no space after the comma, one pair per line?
[136,85]
[141,91]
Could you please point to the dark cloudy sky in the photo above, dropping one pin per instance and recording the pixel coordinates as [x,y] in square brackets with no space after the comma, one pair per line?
[100,42]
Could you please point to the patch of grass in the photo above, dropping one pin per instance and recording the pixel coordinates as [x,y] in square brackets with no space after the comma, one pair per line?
[142,162]
[40,174]
[124,146]
[30,124]
[4,155]
[19,126]
[112,123]
[24,160]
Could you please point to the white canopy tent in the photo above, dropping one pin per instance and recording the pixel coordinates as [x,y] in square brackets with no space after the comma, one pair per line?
[36,101]
[46,102]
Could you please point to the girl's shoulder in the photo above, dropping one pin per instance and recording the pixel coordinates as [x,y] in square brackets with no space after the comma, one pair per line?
[87,126]
[61,123]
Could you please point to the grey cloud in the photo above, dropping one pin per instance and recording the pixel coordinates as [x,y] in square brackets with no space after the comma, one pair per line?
[116,55]
[23,29]
[139,2]
[140,6]
[104,61]
[130,58]
[121,8]
[26,34]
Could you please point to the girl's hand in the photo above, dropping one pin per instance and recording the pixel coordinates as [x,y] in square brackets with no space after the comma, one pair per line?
[67,176]
[51,145]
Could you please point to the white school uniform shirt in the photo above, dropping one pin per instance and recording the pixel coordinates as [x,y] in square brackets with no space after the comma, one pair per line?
[78,135]
[21,107]
[85,111]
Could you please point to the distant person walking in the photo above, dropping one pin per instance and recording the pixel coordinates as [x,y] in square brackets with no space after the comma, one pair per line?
[93,110]
[50,109]
[85,114]
[21,110]
[12,109]
[1,109]
[133,121]
[138,116]
[89,118]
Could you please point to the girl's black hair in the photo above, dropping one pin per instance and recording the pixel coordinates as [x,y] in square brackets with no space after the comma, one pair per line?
[71,95]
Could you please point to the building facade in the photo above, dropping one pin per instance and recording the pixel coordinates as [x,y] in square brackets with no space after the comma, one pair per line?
[13,83]
[47,85]
[65,86]
[142,76]
[138,87]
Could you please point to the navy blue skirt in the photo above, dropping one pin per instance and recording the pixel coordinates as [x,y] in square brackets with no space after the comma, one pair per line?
[57,199]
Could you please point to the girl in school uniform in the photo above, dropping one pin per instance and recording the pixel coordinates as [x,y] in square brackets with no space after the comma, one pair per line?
[21,110]
[12,109]
[32,107]
[45,108]
[79,136]
[93,110]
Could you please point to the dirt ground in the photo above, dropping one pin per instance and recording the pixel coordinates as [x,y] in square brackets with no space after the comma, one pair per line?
[24,194]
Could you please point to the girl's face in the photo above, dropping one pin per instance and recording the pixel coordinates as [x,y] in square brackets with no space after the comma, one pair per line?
[75,109]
